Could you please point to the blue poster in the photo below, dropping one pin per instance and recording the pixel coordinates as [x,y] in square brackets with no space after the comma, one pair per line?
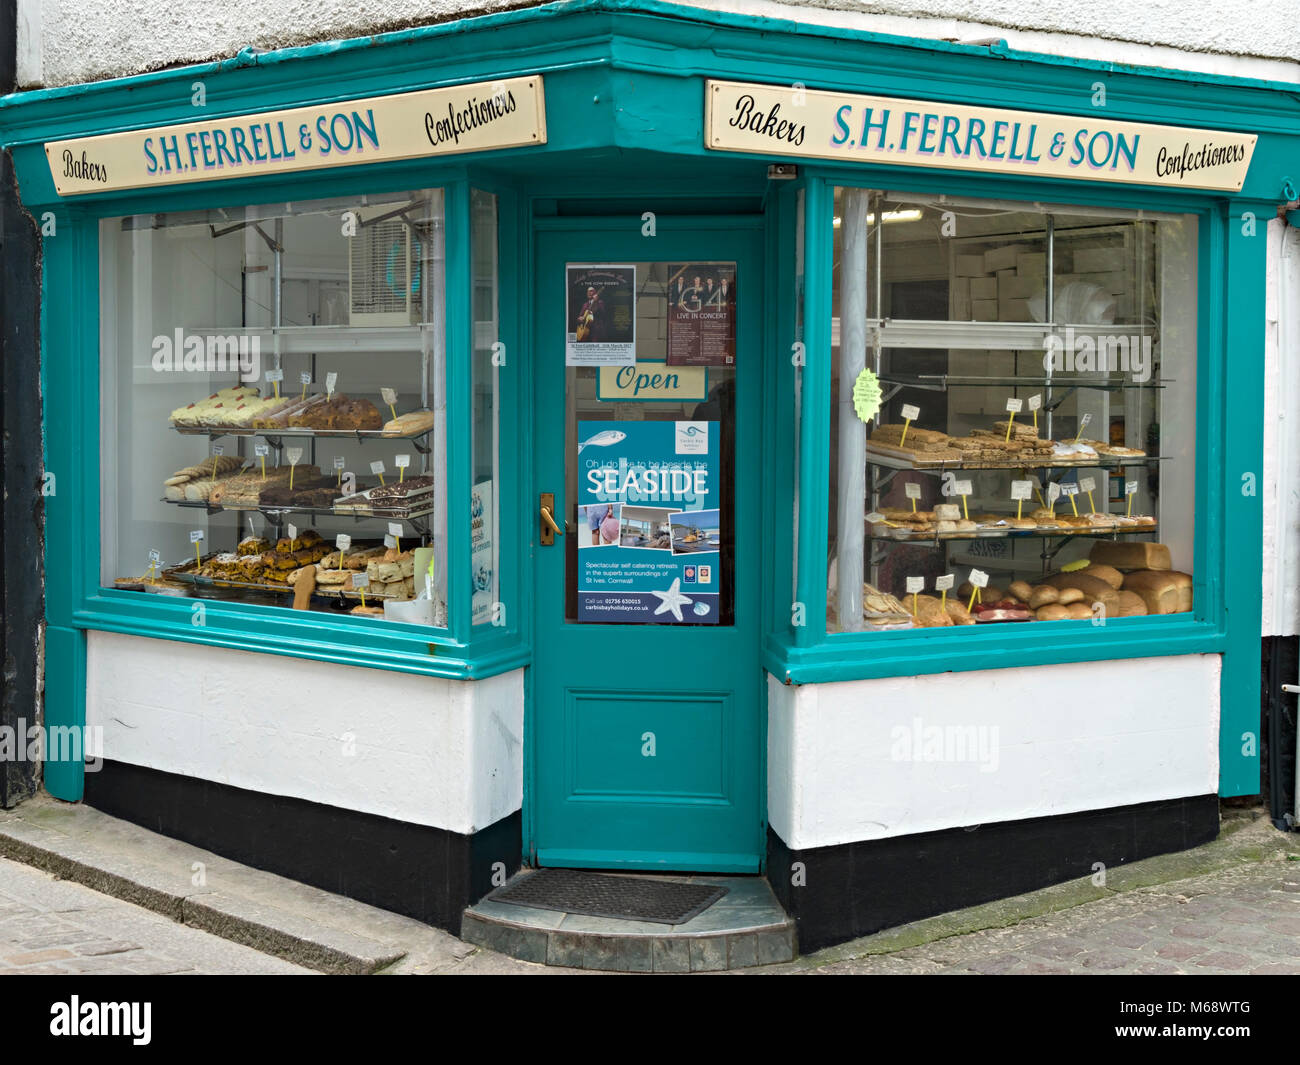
[648,522]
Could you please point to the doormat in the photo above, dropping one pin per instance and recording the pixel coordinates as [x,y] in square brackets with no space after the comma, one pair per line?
[626,898]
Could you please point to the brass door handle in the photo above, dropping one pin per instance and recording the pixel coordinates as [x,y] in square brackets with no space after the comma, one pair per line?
[550,527]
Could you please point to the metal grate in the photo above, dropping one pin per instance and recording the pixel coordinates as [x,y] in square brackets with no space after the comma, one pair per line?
[629,898]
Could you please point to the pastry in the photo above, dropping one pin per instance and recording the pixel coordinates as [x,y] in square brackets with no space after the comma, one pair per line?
[410,424]
[252,545]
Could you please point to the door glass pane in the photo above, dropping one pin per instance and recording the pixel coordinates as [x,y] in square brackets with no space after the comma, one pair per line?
[650,447]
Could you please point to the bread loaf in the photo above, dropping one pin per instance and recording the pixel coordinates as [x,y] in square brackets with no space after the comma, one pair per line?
[1130,555]
[1109,574]
[1131,605]
[1163,591]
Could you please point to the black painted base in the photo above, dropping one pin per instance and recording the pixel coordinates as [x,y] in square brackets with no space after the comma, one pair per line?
[430,874]
[855,889]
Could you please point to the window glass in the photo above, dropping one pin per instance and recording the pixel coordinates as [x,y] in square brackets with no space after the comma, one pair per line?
[1032,454]
[485,508]
[273,405]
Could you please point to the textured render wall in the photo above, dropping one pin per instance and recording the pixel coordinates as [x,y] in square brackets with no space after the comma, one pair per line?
[1280,485]
[66,41]
[424,750]
[1082,736]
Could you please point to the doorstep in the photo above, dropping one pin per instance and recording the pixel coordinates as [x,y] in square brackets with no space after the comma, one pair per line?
[746,927]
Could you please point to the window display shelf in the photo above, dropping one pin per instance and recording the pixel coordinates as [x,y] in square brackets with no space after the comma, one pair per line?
[917,465]
[417,519]
[324,339]
[943,382]
[937,539]
[982,336]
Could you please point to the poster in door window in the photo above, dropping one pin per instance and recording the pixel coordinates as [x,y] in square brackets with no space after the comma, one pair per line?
[702,314]
[600,315]
[649,533]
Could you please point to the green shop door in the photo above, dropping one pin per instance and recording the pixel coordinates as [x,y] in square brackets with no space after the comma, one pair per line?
[646,687]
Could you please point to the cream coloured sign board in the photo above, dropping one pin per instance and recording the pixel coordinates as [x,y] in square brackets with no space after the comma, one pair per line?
[847,127]
[431,122]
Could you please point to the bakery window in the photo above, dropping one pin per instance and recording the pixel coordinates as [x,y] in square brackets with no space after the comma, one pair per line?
[273,405]
[1013,412]
[489,353]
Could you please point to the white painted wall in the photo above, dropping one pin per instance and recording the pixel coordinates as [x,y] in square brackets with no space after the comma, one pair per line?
[66,41]
[842,766]
[1280,484]
[443,753]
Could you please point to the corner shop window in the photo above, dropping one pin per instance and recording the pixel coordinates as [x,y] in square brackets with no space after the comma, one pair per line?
[273,405]
[485,507]
[1036,432]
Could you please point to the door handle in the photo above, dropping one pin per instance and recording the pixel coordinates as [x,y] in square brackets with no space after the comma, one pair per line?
[550,528]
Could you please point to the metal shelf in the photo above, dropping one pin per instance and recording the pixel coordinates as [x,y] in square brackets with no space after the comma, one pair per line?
[276,514]
[943,382]
[276,437]
[895,462]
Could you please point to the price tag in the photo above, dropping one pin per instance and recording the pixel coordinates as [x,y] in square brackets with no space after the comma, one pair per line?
[343,541]
[331,379]
[377,467]
[1022,489]
[395,529]
[292,530]
[1053,492]
[912,490]
[1084,421]
[218,449]
[339,462]
[1036,402]
[402,461]
[360,579]
[1130,488]
[274,375]
[915,584]
[1088,484]
[390,540]
[944,583]
[910,413]
[874,516]
[304,378]
[293,454]
[1015,406]
[389,395]
[196,535]
[261,450]
[154,558]
[963,488]
[979,579]
[1070,489]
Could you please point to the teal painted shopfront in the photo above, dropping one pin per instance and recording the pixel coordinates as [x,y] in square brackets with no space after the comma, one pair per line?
[465,440]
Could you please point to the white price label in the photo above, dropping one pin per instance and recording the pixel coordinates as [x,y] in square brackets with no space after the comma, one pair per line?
[218,449]
[1130,488]
[402,461]
[196,535]
[1015,406]
[1070,489]
[1053,492]
[292,530]
[293,454]
[275,375]
[944,583]
[1036,402]
[331,379]
[261,450]
[874,516]
[155,557]
[343,541]
[377,466]
[389,395]
[1022,489]
[304,378]
[395,529]
[979,578]
[915,584]
[390,540]
[910,413]
[1083,422]
[912,490]
[1088,484]
[360,579]
[339,462]
[963,488]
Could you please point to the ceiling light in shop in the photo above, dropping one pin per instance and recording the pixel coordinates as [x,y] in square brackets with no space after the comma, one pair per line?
[910,215]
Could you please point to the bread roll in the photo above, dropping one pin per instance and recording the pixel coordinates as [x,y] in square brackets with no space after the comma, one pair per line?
[1021,590]
[1093,588]
[1079,611]
[1052,612]
[1069,595]
[1130,555]
[1163,591]
[1131,605]
[1042,596]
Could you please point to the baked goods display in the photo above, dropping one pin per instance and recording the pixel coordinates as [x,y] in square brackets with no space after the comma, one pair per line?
[395,499]
[1007,444]
[243,409]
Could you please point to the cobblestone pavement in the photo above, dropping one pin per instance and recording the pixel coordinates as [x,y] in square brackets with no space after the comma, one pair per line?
[1241,920]
[50,926]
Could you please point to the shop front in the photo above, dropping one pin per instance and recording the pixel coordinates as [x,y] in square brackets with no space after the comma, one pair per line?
[616,437]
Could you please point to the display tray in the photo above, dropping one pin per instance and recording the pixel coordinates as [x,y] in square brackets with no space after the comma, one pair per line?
[298,431]
[902,459]
[180,575]
[424,509]
[901,535]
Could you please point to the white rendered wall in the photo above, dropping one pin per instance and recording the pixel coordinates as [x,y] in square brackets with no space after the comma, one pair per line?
[443,753]
[1279,486]
[67,41]
[843,765]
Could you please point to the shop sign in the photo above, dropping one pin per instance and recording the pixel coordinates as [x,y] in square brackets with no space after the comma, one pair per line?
[378,129]
[649,534]
[849,127]
[652,381]
[702,314]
